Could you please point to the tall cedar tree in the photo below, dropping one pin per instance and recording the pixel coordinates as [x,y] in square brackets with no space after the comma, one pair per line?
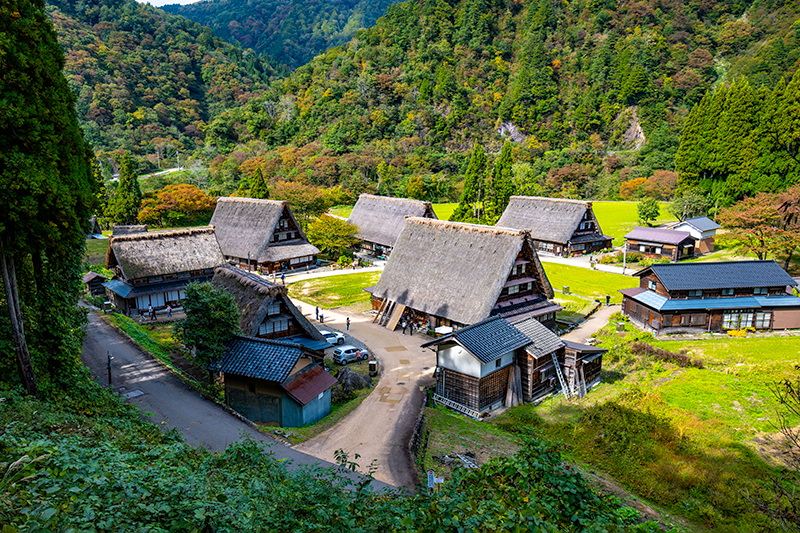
[124,206]
[259,188]
[469,207]
[46,194]
[502,185]
[211,321]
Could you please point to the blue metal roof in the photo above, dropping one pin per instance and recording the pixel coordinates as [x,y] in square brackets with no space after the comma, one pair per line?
[119,287]
[313,344]
[258,358]
[659,303]
[720,275]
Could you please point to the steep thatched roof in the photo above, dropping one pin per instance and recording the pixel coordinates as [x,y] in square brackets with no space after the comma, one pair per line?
[245,225]
[455,270]
[380,219]
[165,252]
[547,219]
[119,231]
[253,296]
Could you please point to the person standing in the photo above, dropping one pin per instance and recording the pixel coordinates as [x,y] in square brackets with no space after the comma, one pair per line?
[404,324]
[411,328]
[316,311]
[283,279]
[151,314]
[321,318]
[348,323]
[169,311]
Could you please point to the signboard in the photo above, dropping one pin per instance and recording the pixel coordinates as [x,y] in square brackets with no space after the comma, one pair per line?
[431,478]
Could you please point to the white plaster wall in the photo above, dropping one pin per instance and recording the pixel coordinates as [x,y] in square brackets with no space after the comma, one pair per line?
[454,357]
[488,368]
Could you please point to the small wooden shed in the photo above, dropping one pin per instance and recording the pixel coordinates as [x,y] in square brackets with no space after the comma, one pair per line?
[94,282]
[274,382]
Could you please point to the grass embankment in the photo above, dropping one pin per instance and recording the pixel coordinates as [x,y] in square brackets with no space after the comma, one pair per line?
[335,291]
[619,218]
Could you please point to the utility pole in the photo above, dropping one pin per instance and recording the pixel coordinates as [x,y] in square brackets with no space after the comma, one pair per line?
[178,155]
[109,367]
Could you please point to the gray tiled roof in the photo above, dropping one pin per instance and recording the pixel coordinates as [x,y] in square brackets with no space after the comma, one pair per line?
[491,338]
[720,275]
[258,358]
[542,340]
[658,235]
[701,223]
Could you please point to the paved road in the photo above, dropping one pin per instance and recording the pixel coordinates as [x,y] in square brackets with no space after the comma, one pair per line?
[380,428]
[170,403]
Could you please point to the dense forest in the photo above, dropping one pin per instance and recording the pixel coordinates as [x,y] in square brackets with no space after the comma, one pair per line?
[147,81]
[593,94]
[292,32]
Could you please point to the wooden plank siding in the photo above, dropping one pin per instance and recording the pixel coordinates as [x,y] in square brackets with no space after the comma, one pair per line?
[493,387]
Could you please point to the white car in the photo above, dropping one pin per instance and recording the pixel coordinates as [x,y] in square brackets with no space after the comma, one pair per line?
[333,337]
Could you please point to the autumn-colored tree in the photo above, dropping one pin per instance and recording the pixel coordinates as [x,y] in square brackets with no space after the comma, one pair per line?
[631,188]
[756,225]
[177,205]
[660,185]
[333,236]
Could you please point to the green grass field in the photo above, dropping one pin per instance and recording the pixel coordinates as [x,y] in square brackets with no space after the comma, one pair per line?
[335,291]
[591,284]
[443,211]
[618,218]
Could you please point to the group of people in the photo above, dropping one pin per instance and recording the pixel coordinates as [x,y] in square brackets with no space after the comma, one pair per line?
[151,312]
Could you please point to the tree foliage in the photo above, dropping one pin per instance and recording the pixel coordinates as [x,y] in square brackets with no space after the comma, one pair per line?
[47,193]
[333,236]
[307,202]
[470,205]
[212,319]
[648,209]
[124,206]
[177,205]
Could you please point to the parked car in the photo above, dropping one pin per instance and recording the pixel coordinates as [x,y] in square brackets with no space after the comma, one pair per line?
[349,354]
[333,337]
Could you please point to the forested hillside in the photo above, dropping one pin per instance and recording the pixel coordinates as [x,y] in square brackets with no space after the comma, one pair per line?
[292,32]
[593,93]
[147,81]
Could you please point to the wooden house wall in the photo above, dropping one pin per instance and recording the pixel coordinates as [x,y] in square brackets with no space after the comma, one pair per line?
[96,286]
[294,414]
[493,387]
[458,387]
[592,369]
[256,399]
[786,318]
[704,246]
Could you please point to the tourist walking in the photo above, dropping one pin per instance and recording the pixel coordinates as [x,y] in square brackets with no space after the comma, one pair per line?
[348,323]
[405,325]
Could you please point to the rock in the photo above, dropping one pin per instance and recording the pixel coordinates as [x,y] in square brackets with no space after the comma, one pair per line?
[352,381]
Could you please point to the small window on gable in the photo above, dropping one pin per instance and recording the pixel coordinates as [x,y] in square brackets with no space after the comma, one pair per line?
[651,285]
[727,292]
[498,363]
[695,293]
[760,290]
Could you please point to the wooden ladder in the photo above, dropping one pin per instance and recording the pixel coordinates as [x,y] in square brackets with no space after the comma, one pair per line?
[457,406]
[387,312]
[582,391]
[563,383]
[380,310]
[397,314]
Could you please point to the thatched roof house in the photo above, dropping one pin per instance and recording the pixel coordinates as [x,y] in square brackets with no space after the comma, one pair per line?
[459,274]
[380,219]
[265,309]
[151,269]
[261,234]
[119,231]
[557,225]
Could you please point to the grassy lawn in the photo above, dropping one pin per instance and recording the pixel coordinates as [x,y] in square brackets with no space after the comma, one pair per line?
[335,291]
[95,253]
[618,218]
[591,284]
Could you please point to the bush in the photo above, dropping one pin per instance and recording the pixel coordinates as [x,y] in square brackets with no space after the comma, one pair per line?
[680,359]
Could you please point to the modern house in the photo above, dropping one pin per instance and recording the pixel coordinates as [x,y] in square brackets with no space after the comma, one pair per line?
[265,308]
[483,366]
[699,297]
[702,229]
[152,269]
[94,283]
[380,220]
[261,235]
[275,382]
[557,226]
[661,243]
[454,274]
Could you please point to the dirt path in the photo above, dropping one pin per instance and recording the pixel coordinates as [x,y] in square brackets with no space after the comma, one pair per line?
[587,330]
[380,428]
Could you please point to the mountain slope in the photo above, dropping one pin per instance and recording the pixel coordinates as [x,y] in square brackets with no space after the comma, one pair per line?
[291,31]
[145,78]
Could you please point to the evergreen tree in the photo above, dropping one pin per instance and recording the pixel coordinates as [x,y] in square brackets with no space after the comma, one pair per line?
[126,202]
[469,206]
[259,188]
[47,193]
[502,186]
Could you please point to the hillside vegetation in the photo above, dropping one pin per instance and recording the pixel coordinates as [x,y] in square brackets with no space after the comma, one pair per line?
[291,32]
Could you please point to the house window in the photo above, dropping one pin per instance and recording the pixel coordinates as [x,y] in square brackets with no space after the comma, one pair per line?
[651,285]
[514,289]
[642,248]
[578,246]
[695,293]
[760,290]
[156,279]
[274,309]
[727,292]
[251,387]
[762,320]
[736,319]
[658,250]
[498,363]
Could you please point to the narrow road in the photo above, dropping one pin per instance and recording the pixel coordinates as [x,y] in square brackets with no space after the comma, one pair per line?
[381,427]
[166,401]
[588,328]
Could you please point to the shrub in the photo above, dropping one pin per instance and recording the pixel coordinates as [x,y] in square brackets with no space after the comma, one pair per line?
[680,359]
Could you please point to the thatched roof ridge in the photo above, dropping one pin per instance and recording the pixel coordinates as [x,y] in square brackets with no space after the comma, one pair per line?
[164,252]
[380,219]
[253,295]
[245,226]
[120,230]
[548,219]
[454,270]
